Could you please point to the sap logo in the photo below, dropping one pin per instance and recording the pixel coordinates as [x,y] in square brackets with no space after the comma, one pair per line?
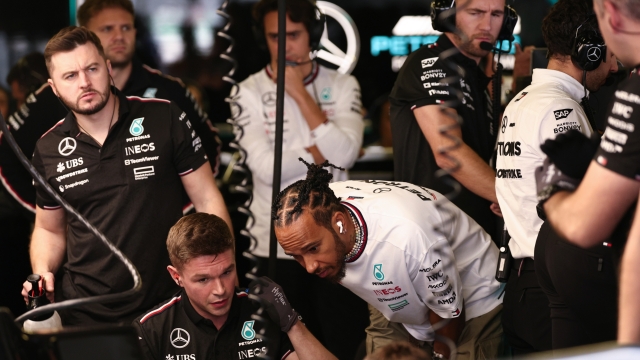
[435,277]
[247,354]
[562,114]
[449,300]
[438,92]
[389,291]
[509,148]
[428,62]
[621,109]
[137,149]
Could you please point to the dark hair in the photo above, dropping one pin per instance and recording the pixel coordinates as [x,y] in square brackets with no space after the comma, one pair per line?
[91,7]
[195,235]
[313,193]
[399,350]
[30,72]
[68,39]
[303,11]
[560,25]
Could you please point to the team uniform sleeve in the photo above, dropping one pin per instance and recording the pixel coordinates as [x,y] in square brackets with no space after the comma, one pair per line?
[420,82]
[562,116]
[620,145]
[188,154]
[43,199]
[149,350]
[438,282]
[255,140]
[340,140]
[40,112]
[200,123]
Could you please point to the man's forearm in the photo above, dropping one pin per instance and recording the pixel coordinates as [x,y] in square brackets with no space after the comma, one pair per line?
[46,251]
[310,110]
[306,345]
[473,173]
[628,324]
[451,330]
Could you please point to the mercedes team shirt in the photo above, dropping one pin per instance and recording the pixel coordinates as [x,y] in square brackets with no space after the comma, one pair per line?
[175,331]
[130,189]
[421,82]
[548,107]
[420,253]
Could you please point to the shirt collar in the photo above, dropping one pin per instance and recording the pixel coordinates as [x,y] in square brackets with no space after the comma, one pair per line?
[561,80]
[70,124]
[138,79]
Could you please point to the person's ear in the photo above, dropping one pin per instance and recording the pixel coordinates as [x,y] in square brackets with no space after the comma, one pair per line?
[339,223]
[53,87]
[175,275]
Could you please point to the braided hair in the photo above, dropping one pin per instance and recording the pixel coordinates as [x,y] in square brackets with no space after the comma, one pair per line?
[313,193]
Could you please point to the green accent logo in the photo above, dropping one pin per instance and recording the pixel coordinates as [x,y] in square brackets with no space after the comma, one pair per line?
[247,330]
[399,305]
[377,272]
[136,128]
[325,94]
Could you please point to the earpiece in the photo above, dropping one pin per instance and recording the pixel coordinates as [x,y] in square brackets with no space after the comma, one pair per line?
[340,226]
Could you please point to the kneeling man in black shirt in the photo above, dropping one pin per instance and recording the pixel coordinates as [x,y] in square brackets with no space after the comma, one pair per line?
[209,318]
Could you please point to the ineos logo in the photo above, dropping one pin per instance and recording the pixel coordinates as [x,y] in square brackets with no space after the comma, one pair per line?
[269,98]
[594,54]
[67,146]
[381,190]
[179,338]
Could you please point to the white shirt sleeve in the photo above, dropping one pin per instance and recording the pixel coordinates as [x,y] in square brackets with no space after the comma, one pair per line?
[255,140]
[340,139]
[563,115]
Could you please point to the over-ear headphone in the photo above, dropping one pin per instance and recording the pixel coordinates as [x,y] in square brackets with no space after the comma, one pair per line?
[446,23]
[315,29]
[589,49]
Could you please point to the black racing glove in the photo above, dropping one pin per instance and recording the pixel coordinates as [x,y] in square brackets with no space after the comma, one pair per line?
[550,180]
[278,308]
[572,152]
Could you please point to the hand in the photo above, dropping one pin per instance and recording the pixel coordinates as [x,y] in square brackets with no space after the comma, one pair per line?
[549,180]
[293,81]
[572,152]
[49,281]
[279,308]
[495,208]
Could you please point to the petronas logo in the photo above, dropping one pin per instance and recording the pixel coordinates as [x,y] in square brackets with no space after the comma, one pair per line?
[247,330]
[377,272]
[136,128]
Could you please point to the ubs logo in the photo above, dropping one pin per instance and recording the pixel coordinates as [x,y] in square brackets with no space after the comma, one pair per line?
[67,146]
[179,338]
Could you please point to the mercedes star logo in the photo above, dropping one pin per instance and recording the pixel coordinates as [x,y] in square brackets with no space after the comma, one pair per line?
[179,338]
[593,54]
[269,98]
[381,190]
[504,124]
[67,146]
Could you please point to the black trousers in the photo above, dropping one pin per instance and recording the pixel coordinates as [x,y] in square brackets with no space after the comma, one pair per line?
[582,289]
[335,315]
[525,313]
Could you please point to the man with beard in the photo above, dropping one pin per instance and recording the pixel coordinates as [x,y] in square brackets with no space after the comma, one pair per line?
[122,162]
[422,264]
[544,303]
[417,113]
[113,22]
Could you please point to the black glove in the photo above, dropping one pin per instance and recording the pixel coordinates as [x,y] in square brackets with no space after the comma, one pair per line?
[572,152]
[279,308]
[550,180]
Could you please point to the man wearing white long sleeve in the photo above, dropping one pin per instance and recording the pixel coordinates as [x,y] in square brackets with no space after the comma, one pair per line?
[322,121]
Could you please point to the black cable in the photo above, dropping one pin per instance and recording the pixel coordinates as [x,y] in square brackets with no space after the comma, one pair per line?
[137,282]
[240,166]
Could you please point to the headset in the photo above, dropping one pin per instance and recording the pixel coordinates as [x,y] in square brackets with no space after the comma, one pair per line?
[315,29]
[589,49]
[448,22]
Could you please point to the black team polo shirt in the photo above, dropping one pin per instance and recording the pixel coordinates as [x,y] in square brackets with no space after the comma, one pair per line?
[130,189]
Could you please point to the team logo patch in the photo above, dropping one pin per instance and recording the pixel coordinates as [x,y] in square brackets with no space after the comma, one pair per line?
[179,338]
[504,124]
[381,190]
[60,167]
[67,146]
[269,98]
[562,113]
[150,93]
[521,96]
[325,94]
[594,54]
[136,128]
[428,62]
[247,330]
[398,306]
[377,272]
